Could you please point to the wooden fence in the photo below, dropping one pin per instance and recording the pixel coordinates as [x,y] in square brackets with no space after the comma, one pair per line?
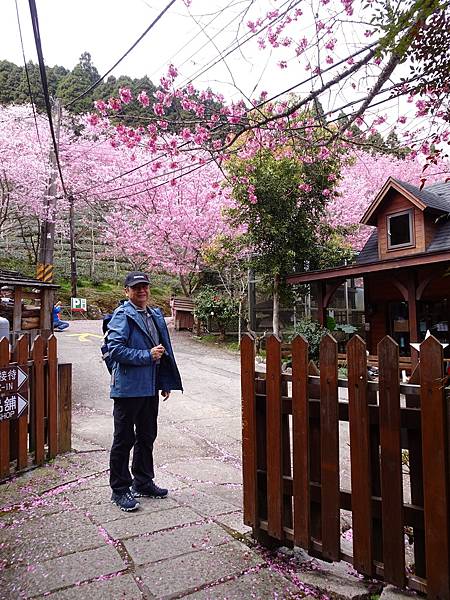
[43,428]
[294,465]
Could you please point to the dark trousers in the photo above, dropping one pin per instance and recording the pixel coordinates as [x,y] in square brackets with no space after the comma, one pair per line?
[135,426]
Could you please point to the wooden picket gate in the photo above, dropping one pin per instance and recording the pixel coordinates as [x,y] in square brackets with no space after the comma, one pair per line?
[292,435]
[43,430]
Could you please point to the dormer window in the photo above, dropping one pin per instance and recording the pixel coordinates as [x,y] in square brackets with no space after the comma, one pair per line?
[400,230]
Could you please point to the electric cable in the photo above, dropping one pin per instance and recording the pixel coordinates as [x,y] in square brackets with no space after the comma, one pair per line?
[236,45]
[193,38]
[222,125]
[100,79]
[28,78]
[37,39]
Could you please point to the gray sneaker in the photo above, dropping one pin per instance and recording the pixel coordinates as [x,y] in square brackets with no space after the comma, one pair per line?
[125,501]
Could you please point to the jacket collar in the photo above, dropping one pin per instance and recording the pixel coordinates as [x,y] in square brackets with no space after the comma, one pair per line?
[132,312]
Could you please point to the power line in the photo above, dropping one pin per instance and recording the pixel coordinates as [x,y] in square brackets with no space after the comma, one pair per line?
[183,47]
[146,180]
[37,39]
[28,78]
[236,45]
[292,4]
[148,162]
[154,187]
[218,127]
[100,79]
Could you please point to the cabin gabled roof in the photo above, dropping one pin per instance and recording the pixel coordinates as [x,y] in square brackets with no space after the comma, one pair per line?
[435,197]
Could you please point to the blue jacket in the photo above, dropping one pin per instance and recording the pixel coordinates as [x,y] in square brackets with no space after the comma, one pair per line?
[135,373]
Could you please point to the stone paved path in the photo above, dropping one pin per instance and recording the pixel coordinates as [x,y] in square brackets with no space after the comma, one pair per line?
[61,538]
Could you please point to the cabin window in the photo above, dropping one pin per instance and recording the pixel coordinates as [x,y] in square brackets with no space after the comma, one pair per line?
[400,230]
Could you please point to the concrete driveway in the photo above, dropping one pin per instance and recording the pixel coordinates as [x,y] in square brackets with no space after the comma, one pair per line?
[199,435]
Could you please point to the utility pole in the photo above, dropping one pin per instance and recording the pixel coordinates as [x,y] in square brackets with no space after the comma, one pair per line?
[73,252]
[44,269]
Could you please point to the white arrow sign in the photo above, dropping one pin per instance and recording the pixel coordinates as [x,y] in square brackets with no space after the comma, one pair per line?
[22,403]
[21,377]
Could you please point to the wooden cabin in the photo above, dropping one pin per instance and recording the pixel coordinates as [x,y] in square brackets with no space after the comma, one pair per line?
[182,312]
[27,303]
[405,266]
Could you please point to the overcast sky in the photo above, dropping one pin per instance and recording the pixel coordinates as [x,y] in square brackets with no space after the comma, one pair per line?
[107,28]
[191,39]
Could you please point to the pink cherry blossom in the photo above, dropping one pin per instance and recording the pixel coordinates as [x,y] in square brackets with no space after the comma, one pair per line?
[125,95]
[143,98]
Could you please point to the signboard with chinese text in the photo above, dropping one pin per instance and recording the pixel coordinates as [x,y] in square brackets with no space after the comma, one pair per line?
[11,407]
[11,380]
[78,304]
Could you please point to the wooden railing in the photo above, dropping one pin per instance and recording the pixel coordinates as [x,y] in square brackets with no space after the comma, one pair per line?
[40,429]
[292,468]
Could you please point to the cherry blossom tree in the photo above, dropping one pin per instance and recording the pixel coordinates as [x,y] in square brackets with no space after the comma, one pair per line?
[25,171]
[349,66]
[167,228]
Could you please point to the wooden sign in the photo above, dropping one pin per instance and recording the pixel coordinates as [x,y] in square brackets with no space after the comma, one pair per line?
[11,380]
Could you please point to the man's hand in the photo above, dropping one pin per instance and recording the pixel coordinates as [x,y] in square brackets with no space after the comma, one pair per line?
[157,352]
[165,394]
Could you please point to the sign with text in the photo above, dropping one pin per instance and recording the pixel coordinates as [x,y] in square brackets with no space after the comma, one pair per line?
[78,304]
[11,380]
[11,407]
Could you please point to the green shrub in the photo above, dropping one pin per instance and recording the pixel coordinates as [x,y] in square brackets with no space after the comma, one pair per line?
[313,332]
[211,304]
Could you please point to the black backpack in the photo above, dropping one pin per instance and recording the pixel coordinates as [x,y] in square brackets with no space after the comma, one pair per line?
[104,347]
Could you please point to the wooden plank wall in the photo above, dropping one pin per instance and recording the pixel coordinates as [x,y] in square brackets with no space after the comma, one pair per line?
[399,203]
[34,436]
[302,504]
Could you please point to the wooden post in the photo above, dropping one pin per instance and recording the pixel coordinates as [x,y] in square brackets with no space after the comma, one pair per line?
[391,463]
[412,316]
[300,435]
[4,425]
[47,301]
[322,311]
[249,433]
[17,311]
[52,394]
[416,476]
[367,318]
[360,456]
[274,439]
[65,407]
[37,356]
[329,445]
[435,470]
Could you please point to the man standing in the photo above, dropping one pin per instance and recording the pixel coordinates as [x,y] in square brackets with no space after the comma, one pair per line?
[143,365]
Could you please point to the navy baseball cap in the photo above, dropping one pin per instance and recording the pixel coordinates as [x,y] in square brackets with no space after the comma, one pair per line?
[134,278]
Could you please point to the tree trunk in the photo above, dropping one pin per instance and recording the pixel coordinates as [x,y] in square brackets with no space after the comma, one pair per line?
[276,305]
[92,265]
[184,285]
